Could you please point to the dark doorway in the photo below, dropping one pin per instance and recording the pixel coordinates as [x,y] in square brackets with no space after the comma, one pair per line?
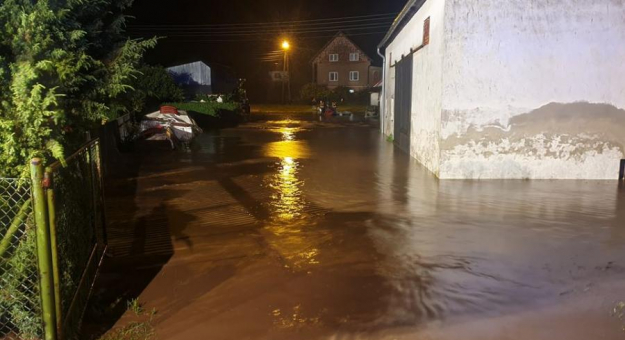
[403,102]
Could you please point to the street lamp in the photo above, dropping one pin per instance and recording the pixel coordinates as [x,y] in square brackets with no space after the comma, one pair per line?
[286,46]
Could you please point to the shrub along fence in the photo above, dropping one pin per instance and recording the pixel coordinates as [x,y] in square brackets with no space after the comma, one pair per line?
[52,240]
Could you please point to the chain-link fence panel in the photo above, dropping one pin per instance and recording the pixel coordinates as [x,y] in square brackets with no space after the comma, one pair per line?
[48,266]
[77,230]
[20,304]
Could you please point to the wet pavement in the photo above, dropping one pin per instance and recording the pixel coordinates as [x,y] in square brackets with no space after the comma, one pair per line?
[290,228]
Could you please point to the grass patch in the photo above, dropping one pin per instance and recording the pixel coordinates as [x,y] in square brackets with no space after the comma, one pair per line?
[142,329]
[133,331]
[207,108]
[619,313]
[135,307]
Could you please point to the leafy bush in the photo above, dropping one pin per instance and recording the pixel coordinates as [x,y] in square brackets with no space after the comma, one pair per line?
[65,67]
[339,94]
[152,86]
[313,91]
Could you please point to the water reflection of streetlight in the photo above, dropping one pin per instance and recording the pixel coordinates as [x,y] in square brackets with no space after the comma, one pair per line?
[289,200]
[288,134]
[288,204]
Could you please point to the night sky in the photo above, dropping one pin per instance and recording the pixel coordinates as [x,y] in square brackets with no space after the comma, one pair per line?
[227,36]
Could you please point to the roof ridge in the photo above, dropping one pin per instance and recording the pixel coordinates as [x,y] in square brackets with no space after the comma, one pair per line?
[340,33]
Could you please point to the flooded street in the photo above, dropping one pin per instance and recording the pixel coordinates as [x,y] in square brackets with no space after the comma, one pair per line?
[290,228]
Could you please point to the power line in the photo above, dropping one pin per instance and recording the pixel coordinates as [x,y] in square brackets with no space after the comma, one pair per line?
[272,31]
[298,30]
[344,19]
[252,33]
[272,27]
[267,30]
[278,30]
[259,39]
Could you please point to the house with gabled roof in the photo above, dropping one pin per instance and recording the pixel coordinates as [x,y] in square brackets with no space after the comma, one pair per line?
[342,63]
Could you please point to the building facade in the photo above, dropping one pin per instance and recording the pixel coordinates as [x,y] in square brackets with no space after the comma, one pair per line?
[342,63]
[195,77]
[515,89]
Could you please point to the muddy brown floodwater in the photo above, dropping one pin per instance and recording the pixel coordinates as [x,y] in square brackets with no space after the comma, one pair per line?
[289,228]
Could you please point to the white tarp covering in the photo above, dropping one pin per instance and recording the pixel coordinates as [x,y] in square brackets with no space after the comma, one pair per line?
[181,125]
[196,73]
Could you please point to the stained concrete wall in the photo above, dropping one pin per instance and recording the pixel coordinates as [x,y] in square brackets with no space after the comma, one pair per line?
[426,82]
[533,89]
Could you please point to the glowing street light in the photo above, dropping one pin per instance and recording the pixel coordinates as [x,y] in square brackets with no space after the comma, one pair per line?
[286,46]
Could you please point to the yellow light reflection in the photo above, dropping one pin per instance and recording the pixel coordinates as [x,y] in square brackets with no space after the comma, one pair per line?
[288,204]
[284,149]
[288,134]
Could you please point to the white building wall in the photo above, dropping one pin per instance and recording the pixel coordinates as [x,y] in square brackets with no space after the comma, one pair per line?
[533,89]
[389,100]
[427,82]
[197,72]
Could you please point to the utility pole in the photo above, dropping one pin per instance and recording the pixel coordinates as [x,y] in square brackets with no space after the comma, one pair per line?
[288,77]
[285,69]
[284,73]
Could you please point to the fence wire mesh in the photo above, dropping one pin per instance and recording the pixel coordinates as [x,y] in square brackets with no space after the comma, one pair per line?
[74,215]
[78,208]
[20,304]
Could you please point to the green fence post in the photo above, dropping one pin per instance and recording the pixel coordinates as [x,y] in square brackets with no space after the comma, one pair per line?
[21,216]
[43,250]
[54,251]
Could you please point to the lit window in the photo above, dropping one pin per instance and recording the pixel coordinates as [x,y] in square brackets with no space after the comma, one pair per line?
[334,76]
[334,57]
[354,75]
[354,56]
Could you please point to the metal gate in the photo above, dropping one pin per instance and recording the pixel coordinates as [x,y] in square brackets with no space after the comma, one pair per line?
[52,240]
[403,102]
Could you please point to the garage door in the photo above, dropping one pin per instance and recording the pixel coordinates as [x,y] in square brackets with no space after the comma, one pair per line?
[403,102]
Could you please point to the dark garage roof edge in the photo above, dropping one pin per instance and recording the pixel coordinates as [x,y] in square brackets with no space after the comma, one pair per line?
[404,16]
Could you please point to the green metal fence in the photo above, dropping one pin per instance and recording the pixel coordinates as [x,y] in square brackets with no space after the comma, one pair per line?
[63,238]
[75,203]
